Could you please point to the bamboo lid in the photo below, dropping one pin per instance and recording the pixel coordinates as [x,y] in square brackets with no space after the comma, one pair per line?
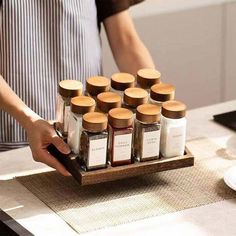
[97,84]
[108,100]
[148,113]
[173,109]
[148,77]
[122,81]
[162,92]
[94,121]
[70,88]
[120,118]
[82,104]
[135,96]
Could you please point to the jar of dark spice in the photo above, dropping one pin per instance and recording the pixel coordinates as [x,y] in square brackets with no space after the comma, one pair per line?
[93,143]
[120,136]
[67,90]
[147,132]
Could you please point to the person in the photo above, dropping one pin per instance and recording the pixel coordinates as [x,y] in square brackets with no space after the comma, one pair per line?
[44,42]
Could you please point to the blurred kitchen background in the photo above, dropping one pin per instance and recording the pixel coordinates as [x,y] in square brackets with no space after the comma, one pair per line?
[193,43]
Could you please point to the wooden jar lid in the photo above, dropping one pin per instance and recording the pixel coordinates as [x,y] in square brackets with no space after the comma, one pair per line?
[82,104]
[70,88]
[135,96]
[162,92]
[120,118]
[148,113]
[97,84]
[173,109]
[148,77]
[108,100]
[94,121]
[122,81]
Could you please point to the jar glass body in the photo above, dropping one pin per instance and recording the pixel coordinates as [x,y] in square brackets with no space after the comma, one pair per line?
[120,145]
[93,150]
[173,136]
[147,141]
[152,101]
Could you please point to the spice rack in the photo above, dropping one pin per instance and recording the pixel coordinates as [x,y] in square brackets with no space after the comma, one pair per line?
[121,172]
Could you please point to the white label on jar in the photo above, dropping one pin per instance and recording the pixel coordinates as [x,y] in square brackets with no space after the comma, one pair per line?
[151,143]
[66,118]
[97,152]
[122,147]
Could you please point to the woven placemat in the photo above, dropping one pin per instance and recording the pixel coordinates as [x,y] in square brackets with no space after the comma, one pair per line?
[93,207]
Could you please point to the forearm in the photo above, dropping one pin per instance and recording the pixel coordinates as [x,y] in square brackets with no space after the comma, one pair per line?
[14,106]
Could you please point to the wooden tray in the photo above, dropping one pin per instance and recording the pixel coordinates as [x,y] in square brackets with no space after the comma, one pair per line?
[121,172]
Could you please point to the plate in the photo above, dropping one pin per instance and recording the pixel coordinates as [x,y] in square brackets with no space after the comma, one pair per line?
[230,178]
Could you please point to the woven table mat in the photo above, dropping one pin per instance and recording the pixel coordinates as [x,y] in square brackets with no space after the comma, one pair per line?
[90,208]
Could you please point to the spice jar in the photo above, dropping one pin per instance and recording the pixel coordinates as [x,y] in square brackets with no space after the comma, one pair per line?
[173,128]
[96,85]
[120,82]
[93,144]
[120,136]
[134,97]
[161,93]
[67,90]
[147,132]
[148,77]
[108,100]
[79,106]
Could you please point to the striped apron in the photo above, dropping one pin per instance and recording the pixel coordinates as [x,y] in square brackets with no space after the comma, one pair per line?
[41,43]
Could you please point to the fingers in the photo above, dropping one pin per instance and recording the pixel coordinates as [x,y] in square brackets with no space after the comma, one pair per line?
[60,145]
[51,161]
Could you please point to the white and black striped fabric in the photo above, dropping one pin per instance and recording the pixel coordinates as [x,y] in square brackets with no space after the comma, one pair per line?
[41,43]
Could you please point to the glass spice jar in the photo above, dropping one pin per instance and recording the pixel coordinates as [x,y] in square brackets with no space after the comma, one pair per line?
[120,136]
[134,97]
[120,82]
[147,132]
[96,85]
[107,101]
[67,90]
[147,77]
[93,143]
[79,106]
[173,129]
[161,93]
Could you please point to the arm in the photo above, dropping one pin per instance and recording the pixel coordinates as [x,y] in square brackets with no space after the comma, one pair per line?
[40,132]
[128,50]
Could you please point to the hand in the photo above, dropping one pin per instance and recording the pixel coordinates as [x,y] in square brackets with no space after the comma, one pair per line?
[40,135]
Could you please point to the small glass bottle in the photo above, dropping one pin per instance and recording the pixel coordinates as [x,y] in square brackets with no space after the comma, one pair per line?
[161,93]
[120,82]
[67,90]
[79,106]
[147,132]
[173,129]
[96,85]
[133,97]
[107,101]
[93,143]
[120,136]
[147,77]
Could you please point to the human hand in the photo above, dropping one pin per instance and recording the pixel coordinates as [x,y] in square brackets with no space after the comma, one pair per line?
[40,135]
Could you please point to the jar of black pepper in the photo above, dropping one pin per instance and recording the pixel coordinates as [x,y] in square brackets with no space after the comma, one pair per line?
[147,132]
[67,90]
[93,143]
[161,93]
[107,101]
[120,82]
[120,136]
[96,85]
[147,77]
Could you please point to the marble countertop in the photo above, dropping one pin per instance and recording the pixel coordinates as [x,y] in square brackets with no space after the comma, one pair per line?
[213,219]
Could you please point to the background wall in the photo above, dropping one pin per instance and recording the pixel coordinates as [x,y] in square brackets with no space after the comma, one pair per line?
[193,43]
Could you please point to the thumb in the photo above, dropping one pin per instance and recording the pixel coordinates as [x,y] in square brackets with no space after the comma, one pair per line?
[60,145]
